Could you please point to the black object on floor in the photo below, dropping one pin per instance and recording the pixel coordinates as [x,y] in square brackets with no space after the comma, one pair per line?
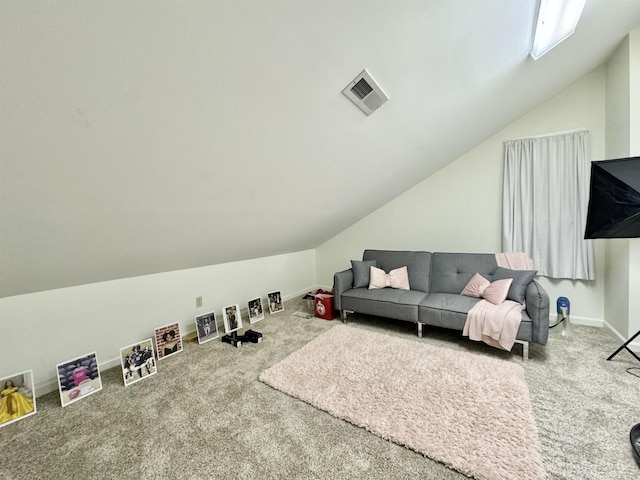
[252,336]
[233,339]
[625,347]
[634,437]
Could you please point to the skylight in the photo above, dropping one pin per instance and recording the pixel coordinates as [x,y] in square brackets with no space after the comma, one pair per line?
[557,20]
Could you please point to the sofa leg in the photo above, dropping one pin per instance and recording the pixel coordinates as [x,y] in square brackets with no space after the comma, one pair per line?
[525,349]
[343,315]
[419,330]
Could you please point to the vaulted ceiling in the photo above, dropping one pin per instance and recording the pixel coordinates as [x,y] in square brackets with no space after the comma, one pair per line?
[139,137]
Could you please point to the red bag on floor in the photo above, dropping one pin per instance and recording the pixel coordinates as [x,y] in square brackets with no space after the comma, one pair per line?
[324,305]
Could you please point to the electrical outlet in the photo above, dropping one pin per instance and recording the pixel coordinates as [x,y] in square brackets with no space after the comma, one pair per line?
[198,302]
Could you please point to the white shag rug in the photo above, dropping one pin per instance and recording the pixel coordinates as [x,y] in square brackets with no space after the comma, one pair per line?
[470,412]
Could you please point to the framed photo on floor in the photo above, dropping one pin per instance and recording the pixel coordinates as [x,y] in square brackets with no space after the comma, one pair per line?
[78,378]
[256,312]
[275,302]
[138,362]
[168,340]
[232,318]
[206,327]
[17,397]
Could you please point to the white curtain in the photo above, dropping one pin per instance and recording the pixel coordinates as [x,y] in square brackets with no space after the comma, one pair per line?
[544,203]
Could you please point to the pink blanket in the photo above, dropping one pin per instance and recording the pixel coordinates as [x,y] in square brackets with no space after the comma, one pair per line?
[514,261]
[495,325]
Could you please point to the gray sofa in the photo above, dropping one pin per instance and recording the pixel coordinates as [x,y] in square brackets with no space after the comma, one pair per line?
[436,280]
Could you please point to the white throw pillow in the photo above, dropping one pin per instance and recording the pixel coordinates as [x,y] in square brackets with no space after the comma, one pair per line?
[398,278]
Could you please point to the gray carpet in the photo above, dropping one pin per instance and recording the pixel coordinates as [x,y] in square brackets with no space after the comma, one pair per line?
[206,415]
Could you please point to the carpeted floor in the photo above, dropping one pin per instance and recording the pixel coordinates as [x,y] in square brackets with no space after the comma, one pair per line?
[206,415]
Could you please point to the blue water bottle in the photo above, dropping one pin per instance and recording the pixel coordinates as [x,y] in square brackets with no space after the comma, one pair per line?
[563,306]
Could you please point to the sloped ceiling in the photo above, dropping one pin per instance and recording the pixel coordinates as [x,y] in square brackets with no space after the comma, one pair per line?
[140,137]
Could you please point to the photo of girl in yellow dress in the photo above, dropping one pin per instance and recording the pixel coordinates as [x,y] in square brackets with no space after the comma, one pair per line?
[16,398]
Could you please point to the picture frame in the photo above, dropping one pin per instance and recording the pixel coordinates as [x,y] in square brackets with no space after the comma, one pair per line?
[17,397]
[78,378]
[232,318]
[275,302]
[256,311]
[138,362]
[168,340]
[207,327]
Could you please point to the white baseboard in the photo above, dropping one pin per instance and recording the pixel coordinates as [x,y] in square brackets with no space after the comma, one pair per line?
[586,321]
[299,294]
[45,387]
[596,322]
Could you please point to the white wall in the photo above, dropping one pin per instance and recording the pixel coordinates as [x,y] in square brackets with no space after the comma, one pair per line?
[633,318]
[634,92]
[41,330]
[617,146]
[618,103]
[459,208]
[622,304]
[617,284]
[634,149]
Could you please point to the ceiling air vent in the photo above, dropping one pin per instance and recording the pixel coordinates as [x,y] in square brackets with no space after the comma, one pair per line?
[365,93]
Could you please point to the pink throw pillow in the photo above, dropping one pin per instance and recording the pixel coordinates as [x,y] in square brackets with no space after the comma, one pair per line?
[497,291]
[398,278]
[476,286]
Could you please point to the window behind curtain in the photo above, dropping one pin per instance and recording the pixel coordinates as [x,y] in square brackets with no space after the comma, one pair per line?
[544,203]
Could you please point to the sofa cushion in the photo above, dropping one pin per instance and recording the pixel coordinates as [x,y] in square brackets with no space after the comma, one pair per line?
[450,302]
[455,303]
[521,278]
[385,302]
[450,311]
[446,310]
[361,272]
[450,272]
[389,295]
[418,265]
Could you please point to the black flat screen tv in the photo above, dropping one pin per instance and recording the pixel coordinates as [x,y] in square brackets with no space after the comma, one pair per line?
[614,199]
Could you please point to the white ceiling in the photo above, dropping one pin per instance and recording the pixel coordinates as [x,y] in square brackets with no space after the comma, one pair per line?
[141,137]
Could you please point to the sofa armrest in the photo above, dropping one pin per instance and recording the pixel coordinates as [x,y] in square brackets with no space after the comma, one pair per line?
[342,281]
[537,302]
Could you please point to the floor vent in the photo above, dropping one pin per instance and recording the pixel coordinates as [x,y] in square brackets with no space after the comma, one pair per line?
[365,93]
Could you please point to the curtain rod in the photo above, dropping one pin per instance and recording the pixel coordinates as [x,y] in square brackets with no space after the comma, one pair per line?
[563,132]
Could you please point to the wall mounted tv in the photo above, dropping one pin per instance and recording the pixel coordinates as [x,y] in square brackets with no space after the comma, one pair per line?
[614,199]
